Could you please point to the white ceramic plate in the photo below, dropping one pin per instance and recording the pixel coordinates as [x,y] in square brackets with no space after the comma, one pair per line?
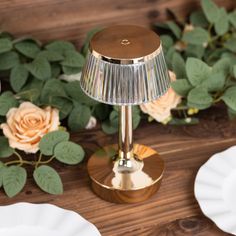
[215,189]
[25,219]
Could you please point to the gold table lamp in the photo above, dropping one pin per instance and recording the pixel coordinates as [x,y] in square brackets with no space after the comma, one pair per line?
[125,66]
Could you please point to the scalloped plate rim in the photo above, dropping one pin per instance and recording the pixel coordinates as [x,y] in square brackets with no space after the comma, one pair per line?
[203,166]
[46,206]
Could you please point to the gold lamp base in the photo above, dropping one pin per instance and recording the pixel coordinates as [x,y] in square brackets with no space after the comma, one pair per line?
[114,184]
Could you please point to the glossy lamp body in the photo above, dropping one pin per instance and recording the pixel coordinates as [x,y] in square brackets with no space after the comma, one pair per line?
[125,66]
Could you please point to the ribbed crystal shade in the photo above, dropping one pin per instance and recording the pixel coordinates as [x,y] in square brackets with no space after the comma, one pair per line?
[130,84]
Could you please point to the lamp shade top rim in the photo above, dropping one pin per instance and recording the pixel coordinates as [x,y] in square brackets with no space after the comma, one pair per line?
[125,43]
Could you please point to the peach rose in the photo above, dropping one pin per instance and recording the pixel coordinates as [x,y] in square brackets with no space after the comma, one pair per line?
[160,109]
[27,124]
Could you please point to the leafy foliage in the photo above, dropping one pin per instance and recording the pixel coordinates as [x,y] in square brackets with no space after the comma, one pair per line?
[48,180]
[54,144]
[34,69]
[5,150]
[69,153]
[203,59]
[50,140]
[14,179]
[200,51]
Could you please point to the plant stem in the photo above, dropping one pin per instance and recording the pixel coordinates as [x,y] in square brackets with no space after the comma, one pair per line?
[20,158]
[21,162]
[49,160]
[32,163]
[18,155]
[39,160]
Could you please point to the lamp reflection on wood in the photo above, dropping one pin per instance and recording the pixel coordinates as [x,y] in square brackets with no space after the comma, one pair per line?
[125,66]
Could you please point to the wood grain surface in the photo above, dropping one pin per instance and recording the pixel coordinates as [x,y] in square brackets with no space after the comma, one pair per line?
[71,19]
[173,211]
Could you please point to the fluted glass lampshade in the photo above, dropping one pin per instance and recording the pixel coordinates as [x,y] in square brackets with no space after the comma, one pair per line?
[125,66]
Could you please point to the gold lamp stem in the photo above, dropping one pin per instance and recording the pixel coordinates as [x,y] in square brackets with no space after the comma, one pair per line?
[125,137]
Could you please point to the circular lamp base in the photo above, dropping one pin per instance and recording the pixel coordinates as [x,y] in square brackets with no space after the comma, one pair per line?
[111,185]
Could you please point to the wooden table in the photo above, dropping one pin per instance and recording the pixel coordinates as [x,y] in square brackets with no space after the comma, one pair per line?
[173,210]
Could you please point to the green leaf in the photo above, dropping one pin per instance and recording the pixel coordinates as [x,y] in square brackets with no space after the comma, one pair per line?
[7,101]
[230,56]
[136,120]
[73,59]
[52,88]
[71,70]
[222,24]
[6,35]
[2,168]
[5,149]
[211,56]
[69,153]
[101,111]
[14,179]
[33,83]
[181,87]
[31,95]
[8,60]
[185,121]
[73,89]
[40,68]
[135,110]
[79,117]
[60,46]
[231,114]
[197,71]
[27,48]
[197,18]
[56,70]
[114,118]
[27,39]
[210,10]
[166,41]
[197,36]
[234,71]
[178,66]
[223,66]
[169,56]
[199,98]
[194,51]
[229,44]
[51,139]
[18,77]
[116,108]
[50,55]
[174,29]
[229,97]
[48,180]
[214,82]
[64,105]
[161,25]
[5,45]
[232,18]
[32,90]
[108,128]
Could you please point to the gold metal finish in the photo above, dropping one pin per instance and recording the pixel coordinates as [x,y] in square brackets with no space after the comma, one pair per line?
[125,134]
[125,65]
[125,44]
[114,184]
